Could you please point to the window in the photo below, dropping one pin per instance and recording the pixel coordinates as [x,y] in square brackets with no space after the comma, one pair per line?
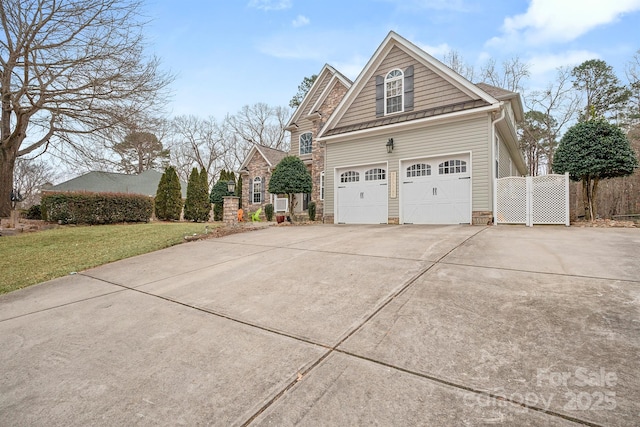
[305,143]
[419,169]
[452,166]
[350,176]
[393,91]
[374,174]
[257,190]
[322,185]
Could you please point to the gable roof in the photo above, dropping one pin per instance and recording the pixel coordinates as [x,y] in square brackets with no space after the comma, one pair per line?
[478,96]
[145,183]
[271,155]
[318,92]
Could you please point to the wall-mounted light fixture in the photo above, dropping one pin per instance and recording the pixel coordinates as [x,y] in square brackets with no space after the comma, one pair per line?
[390,145]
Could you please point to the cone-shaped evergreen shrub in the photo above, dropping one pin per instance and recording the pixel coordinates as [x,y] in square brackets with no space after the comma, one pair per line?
[168,202]
[196,207]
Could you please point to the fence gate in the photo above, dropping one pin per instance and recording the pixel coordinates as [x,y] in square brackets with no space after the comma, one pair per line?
[533,200]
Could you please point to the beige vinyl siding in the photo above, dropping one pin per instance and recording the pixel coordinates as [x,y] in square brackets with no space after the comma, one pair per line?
[471,135]
[504,161]
[304,125]
[430,90]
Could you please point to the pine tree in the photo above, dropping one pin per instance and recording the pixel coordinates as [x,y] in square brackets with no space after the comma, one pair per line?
[168,201]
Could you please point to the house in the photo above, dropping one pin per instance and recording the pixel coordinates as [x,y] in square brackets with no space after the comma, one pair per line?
[410,141]
[256,172]
[146,183]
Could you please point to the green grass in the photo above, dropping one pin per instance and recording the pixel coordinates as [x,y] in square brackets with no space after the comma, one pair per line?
[30,258]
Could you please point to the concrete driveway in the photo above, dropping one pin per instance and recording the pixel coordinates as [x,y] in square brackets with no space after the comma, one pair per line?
[337,325]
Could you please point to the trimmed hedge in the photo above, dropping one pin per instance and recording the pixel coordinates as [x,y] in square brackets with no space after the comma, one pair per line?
[96,208]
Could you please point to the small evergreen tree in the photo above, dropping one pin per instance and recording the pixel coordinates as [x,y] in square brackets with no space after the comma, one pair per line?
[591,151]
[218,192]
[196,207]
[204,195]
[289,177]
[168,201]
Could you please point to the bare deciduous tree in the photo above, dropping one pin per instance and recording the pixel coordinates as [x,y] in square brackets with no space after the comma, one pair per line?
[69,68]
[29,177]
[261,124]
[198,142]
[511,75]
[558,104]
[454,60]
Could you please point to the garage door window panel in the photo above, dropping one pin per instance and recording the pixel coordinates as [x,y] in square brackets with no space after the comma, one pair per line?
[375,174]
[419,169]
[452,166]
[350,176]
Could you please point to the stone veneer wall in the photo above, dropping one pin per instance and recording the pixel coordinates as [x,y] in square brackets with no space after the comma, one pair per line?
[257,166]
[318,149]
[482,217]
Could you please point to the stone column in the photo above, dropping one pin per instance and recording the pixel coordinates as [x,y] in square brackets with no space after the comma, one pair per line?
[230,210]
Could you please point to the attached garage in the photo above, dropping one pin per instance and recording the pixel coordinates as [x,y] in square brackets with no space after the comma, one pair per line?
[436,190]
[361,194]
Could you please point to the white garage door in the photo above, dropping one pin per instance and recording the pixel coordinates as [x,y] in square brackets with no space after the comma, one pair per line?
[436,190]
[362,195]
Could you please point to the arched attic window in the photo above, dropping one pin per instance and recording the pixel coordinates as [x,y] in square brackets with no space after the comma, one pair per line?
[393,92]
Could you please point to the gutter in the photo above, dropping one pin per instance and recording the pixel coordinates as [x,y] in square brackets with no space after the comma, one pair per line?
[494,178]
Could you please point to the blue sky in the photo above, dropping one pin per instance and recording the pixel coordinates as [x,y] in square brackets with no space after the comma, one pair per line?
[227,54]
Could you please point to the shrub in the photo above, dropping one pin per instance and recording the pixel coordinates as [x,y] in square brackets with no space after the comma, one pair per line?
[96,208]
[34,212]
[290,176]
[312,211]
[268,212]
[168,202]
[197,205]
[218,192]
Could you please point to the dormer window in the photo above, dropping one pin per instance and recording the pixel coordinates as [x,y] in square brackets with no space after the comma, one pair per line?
[305,143]
[393,92]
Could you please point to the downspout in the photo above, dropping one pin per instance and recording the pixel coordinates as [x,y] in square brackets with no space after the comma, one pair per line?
[494,167]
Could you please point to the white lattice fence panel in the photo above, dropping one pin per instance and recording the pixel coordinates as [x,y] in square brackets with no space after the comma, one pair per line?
[549,199]
[512,200]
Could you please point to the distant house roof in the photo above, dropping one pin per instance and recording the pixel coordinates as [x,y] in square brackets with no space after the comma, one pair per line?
[271,155]
[145,183]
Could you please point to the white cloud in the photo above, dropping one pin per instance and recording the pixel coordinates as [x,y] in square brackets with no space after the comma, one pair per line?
[547,21]
[541,64]
[270,4]
[300,21]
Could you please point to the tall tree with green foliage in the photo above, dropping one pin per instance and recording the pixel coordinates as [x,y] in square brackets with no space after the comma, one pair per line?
[603,92]
[168,202]
[196,206]
[290,176]
[591,151]
[140,151]
[303,88]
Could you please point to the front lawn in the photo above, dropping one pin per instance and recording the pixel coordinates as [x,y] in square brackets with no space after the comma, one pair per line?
[30,258]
